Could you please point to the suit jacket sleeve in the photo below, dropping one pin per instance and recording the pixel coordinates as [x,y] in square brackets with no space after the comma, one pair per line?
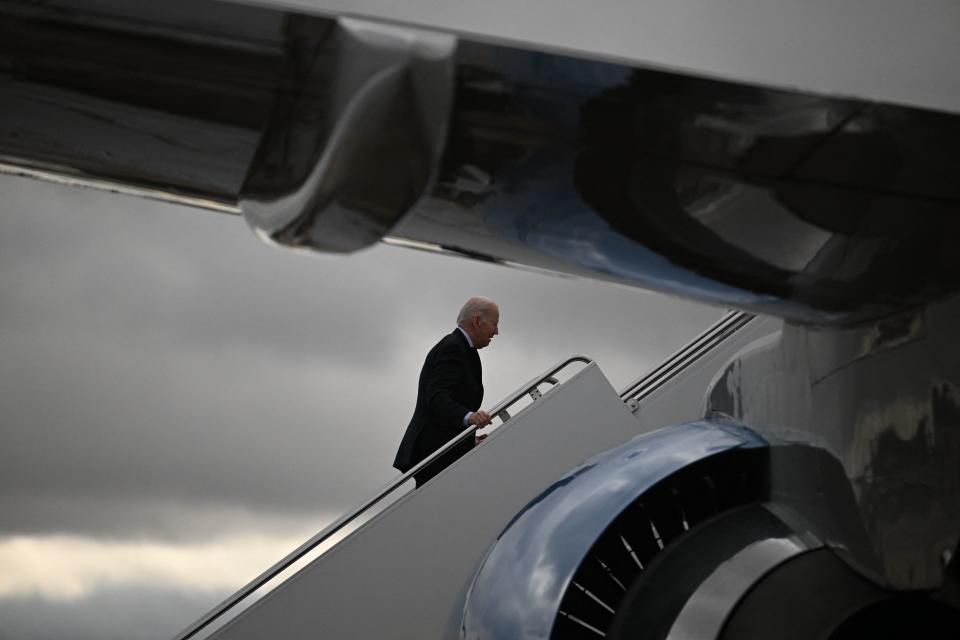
[447,373]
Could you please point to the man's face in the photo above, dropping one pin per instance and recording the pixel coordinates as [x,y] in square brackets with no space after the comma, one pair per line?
[485,327]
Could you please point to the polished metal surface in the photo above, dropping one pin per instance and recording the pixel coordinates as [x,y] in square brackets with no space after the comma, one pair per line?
[333,133]
[707,609]
[807,207]
[518,589]
[168,98]
[816,595]
[881,401]
[354,142]
[125,188]
[688,589]
[389,490]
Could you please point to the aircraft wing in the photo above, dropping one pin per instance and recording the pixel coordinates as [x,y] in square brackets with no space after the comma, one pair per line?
[768,158]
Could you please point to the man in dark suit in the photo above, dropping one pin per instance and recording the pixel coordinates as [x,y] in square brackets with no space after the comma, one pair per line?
[450,391]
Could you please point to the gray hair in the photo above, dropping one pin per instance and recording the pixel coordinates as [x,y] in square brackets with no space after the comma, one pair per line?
[476,306]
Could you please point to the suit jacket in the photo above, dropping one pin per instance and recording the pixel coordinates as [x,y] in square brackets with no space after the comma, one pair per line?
[450,385]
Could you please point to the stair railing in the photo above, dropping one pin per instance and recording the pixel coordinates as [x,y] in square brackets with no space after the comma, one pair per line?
[703,344]
[501,411]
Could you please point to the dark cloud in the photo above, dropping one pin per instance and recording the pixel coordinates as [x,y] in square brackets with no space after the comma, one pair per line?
[140,272]
[155,354]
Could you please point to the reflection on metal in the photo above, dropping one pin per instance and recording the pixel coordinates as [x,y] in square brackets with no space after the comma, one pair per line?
[332,133]
[389,490]
[664,535]
[165,98]
[355,136]
[518,589]
[815,594]
[87,182]
[707,609]
[412,244]
[882,401]
[799,206]
[691,585]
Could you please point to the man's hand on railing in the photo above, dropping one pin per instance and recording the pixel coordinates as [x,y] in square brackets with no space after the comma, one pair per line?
[479,419]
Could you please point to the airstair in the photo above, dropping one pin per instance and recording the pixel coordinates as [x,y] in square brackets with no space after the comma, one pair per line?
[399,565]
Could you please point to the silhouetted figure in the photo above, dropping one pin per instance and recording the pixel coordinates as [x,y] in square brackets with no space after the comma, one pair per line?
[450,391]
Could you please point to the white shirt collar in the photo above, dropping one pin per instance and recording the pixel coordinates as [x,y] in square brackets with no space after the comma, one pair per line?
[467,336]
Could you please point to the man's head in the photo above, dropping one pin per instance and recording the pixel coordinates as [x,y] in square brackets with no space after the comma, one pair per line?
[480,318]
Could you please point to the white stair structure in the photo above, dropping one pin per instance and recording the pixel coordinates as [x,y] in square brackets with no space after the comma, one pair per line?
[405,571]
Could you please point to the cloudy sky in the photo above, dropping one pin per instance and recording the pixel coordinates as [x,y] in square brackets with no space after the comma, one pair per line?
[183,404]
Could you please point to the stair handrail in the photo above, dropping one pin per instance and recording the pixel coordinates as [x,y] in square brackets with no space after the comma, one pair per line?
[500,410]
[686,356]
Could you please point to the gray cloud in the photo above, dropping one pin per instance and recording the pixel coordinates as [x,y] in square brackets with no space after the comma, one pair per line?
[141,613]
[149,273]
[155,354]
